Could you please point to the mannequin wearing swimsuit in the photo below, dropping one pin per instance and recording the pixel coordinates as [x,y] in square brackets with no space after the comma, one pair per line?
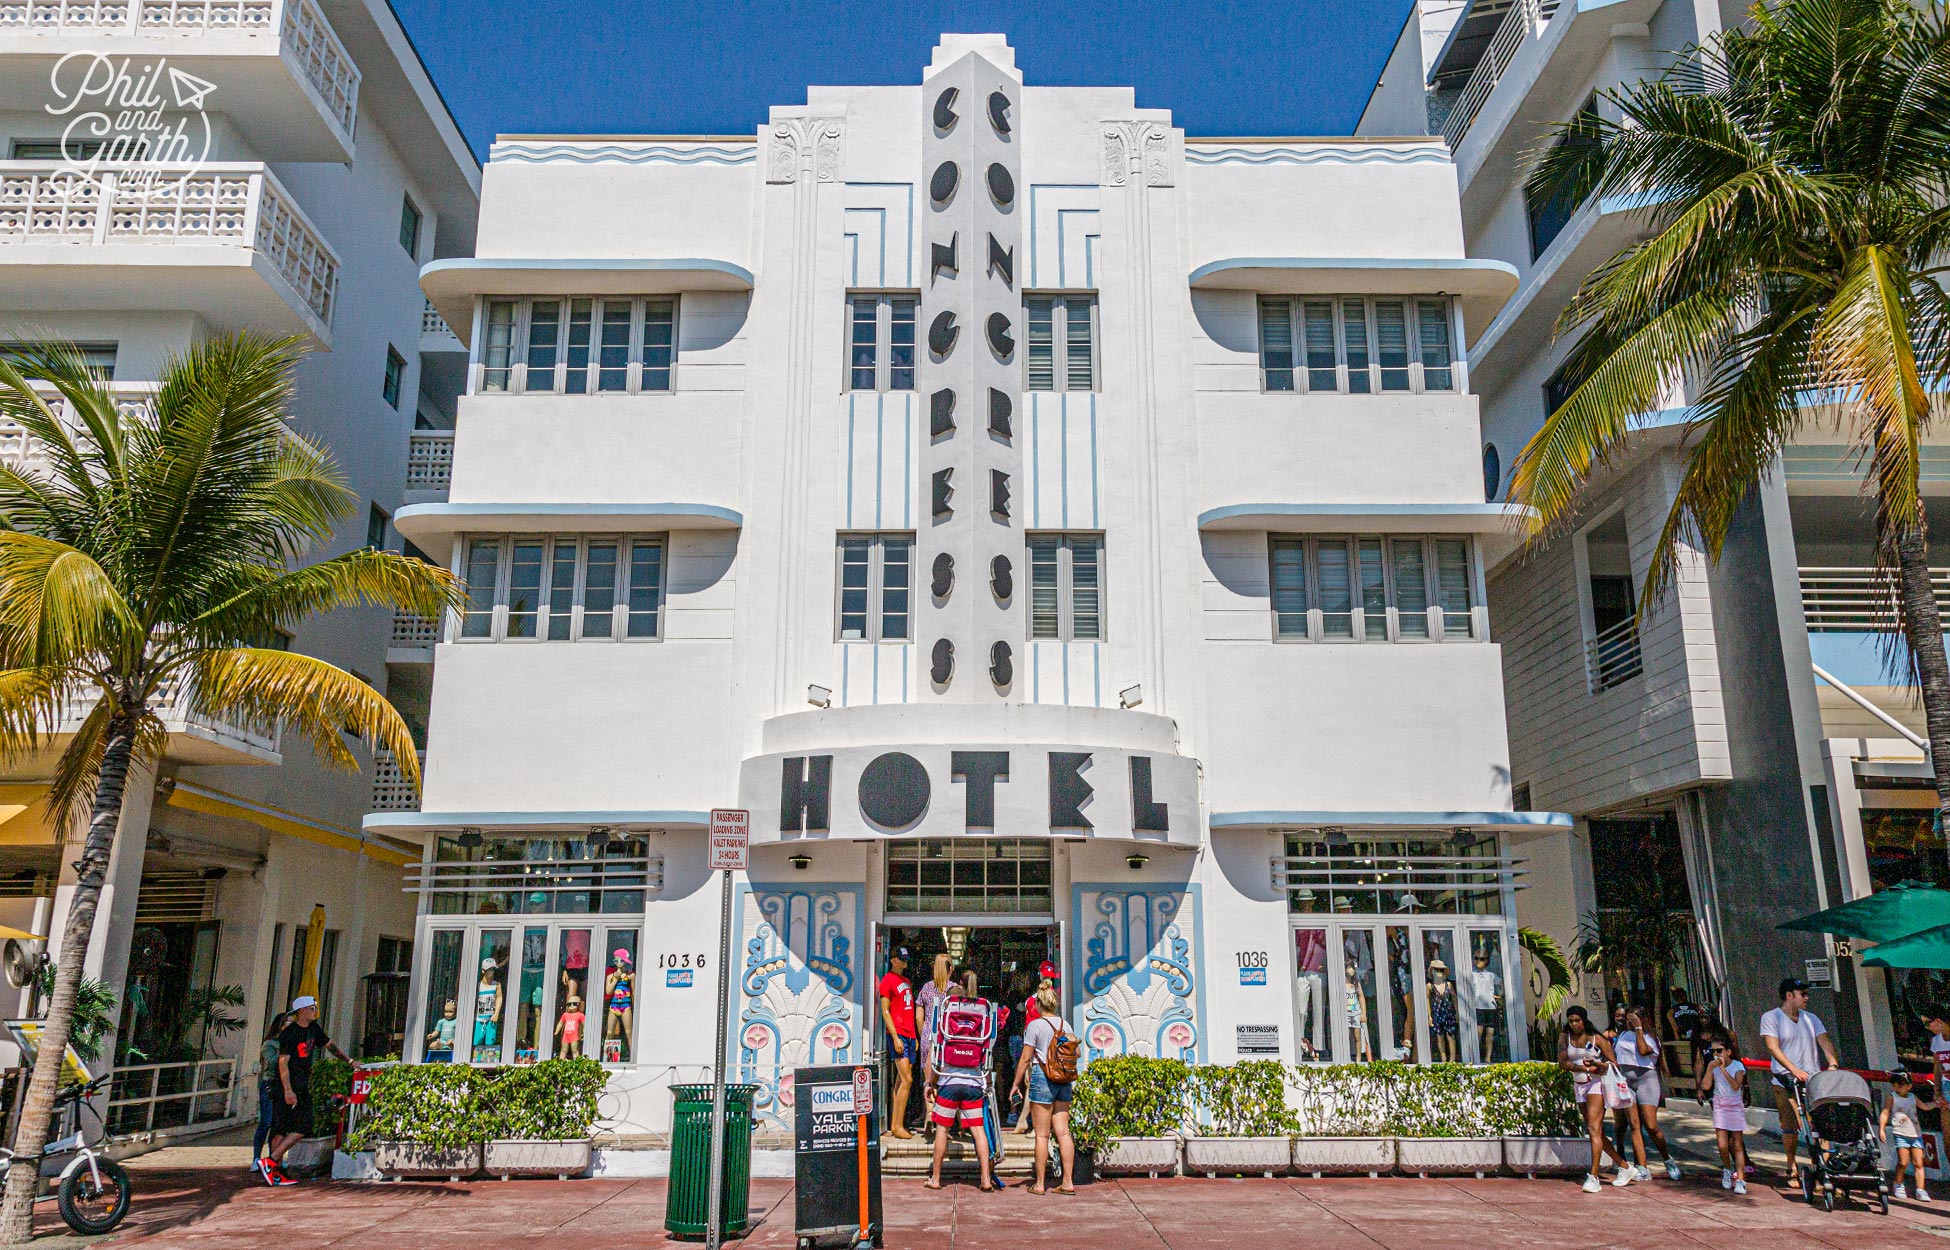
[619,989]
[568,1030]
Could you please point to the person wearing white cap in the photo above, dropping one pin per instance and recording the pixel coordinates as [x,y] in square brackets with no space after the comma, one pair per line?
[298,1047]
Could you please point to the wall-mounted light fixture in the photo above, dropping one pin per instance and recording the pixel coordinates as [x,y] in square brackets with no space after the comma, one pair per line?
[819,696]
[1137,860]
[598,841]
[1337,839]
[469,839]
[1130,696]
[800,862]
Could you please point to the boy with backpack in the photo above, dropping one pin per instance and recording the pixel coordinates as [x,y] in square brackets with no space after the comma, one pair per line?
[958,1063]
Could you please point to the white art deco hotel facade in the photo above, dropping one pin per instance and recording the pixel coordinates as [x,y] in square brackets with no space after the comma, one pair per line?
[1065,537]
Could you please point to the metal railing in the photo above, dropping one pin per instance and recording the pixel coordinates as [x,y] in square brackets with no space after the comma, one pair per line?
[1393,883]
[1614,655]
[515,877]
[309,41]
[430,460]
[1523,22]
[145,1097]
[236,203]
[414,633]
[431,322]
[1859,600]
[391,791]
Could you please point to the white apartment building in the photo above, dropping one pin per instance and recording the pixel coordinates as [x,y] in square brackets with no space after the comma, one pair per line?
[1746,741]
[175,169]
[1064,536]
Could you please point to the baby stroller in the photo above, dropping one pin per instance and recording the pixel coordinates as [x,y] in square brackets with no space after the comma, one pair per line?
[1838,1130]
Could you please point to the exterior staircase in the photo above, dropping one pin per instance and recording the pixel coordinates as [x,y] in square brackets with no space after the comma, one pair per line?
[915,1155]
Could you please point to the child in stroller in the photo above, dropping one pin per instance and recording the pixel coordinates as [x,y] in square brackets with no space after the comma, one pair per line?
[1844,1153]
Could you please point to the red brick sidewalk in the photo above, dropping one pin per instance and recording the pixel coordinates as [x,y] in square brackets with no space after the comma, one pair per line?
[213,1210]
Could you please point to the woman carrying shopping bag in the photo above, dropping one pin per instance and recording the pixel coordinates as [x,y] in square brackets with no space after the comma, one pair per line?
[1596,1084]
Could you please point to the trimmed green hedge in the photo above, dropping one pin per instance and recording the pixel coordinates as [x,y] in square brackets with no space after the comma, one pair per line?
[449,1105]
[1131,1096]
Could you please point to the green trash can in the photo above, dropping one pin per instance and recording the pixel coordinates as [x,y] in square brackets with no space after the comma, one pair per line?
[688,1204]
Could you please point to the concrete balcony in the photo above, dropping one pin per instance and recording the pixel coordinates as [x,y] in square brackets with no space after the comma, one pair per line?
[282,76]
[193,738]
[436,335]
[391,791]
[429,465]
[23,453]
[226,241]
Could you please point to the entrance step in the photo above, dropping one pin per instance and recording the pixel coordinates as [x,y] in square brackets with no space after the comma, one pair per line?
[915,1156]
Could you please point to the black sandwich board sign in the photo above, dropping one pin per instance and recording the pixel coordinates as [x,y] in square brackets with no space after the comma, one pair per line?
[826,1156]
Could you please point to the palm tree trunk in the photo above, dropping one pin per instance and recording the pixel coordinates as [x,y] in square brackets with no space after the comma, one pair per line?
[1924,628]
[37,1110]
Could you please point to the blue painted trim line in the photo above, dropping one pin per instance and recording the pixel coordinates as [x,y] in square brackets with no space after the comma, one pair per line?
[1496,511]
[1496,820]
[434,511]
[489,264]
[381,822]
[1438,264]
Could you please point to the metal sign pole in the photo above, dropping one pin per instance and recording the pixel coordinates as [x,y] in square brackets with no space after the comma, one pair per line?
[714,1220]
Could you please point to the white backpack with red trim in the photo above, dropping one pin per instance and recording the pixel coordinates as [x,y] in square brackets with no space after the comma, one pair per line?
[966,1032]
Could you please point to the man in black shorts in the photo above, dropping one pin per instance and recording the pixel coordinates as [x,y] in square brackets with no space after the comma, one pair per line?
[298,1047]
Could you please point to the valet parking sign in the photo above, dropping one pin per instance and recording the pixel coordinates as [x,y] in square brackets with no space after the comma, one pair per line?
[140,117]
[731,839]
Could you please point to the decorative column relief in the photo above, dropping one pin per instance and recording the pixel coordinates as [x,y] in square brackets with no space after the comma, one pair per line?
[806,148]
[798,968]
[1137,152]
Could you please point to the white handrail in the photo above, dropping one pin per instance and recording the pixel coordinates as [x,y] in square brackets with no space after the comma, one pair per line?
[1854,696]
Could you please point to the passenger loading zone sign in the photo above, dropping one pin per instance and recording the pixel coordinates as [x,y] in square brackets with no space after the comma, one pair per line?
[731,837]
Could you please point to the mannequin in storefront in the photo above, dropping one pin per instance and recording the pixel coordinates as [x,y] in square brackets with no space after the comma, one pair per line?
[1442,1012]
[1358,1048]
[440,1039]
[487,1013]
[619,998]
[568,1030]
[1310,991]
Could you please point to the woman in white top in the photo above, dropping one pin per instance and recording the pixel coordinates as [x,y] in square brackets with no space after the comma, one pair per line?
[1584,1053]
[1640,1056]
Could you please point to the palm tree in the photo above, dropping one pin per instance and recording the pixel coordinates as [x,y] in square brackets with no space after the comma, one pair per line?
[1795,177]
[135,568]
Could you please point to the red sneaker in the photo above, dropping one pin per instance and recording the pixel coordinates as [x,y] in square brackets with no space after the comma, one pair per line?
[277,1175]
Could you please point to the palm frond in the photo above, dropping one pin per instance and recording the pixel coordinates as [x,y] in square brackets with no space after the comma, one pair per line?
[318,700]
[268,599]
[57,604]
[1550,956]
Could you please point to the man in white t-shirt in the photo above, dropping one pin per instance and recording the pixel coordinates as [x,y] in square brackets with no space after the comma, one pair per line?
[1796,1041]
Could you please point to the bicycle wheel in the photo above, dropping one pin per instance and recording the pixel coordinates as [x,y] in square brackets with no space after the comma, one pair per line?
[95,1208]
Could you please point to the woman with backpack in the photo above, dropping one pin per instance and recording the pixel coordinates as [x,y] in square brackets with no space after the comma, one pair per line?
[1048,1067]
[958,1063]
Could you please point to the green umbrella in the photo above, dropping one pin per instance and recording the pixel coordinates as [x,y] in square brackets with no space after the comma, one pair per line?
[1904,908]
[1928,949]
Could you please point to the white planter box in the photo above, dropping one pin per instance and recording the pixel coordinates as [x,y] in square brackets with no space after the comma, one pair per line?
[1264,1156]
[560,1159]
[354,1165]
[309,1157]
[1449,1156]
[1138,1156]
[1547,1156]
[410,1159]
[1344,1156]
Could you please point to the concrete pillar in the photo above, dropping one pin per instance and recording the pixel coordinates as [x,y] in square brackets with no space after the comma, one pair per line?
[107,957]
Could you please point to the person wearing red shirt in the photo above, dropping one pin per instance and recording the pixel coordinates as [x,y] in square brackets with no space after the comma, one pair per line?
[903,1040]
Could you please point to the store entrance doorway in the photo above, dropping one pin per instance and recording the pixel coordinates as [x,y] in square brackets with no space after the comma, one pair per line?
[1004,958]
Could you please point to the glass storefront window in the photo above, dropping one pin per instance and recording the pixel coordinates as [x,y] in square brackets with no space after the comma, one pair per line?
[1485,992]
[572,995]
[443,996]
[1401,995]
[619,996]
[1439,991]
[946,875]
[491,1001]
[534,983]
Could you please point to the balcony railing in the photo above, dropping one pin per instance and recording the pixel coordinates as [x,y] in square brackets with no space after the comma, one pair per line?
[171,704]
[391,791]
[22,452]
[430,460]
[240,204]
[1523,22]
[431,322]
[1395,883]
[309,40]
[1614,655]
[145,1097]
[1858,600]
[414,633]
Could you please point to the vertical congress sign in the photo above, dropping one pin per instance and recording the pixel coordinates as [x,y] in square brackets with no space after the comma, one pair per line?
[944,790]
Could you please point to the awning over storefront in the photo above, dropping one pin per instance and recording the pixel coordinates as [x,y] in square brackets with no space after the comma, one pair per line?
[1530,822]
[217,803]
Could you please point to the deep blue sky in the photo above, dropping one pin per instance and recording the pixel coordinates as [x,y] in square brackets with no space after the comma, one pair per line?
[715,66]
